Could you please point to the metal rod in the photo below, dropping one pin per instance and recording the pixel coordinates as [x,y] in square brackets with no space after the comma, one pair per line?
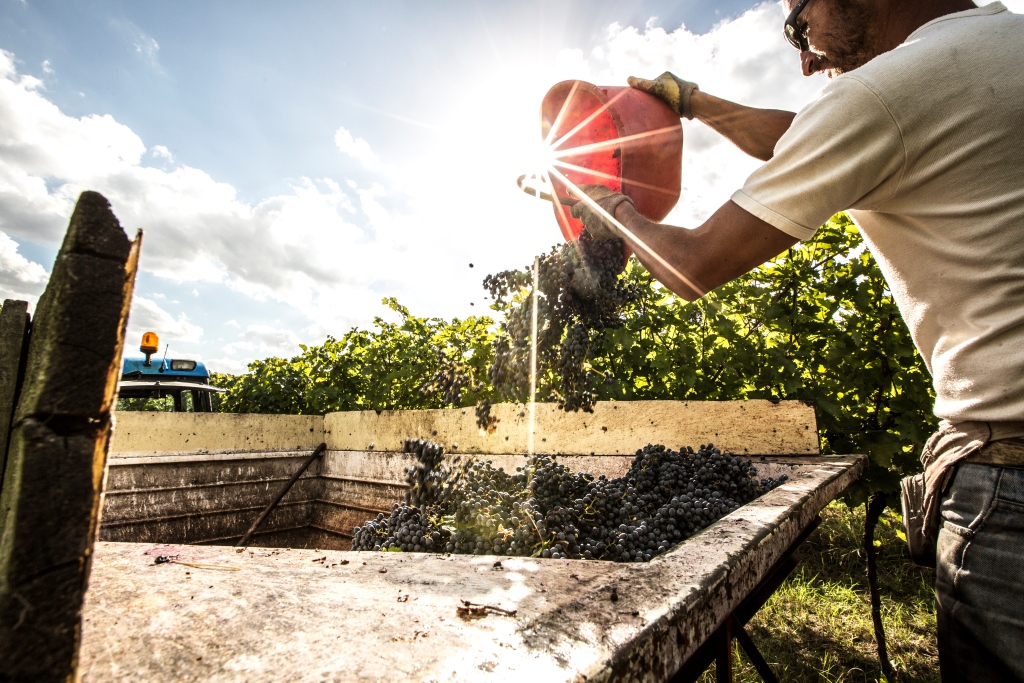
[700,659]
[295,477]
[723,654]
[873,510]
[753,654]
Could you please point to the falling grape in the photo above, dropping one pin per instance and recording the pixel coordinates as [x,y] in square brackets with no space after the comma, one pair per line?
[582,296]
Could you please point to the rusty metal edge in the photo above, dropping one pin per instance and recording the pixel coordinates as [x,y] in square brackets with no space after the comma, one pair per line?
[660,640]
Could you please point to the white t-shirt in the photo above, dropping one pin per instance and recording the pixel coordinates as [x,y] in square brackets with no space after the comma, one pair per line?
[925,146]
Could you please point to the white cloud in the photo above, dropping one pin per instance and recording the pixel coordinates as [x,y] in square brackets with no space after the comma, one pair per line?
[19,278]
[1015,6]
[161,152]
[140,42]
[284,343]
[147,316]
[743,59]
[231,366]
[258,341]
[357,148]
[303,246]
[47,68]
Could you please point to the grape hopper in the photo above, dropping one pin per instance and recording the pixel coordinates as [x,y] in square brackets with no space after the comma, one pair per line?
[397,613]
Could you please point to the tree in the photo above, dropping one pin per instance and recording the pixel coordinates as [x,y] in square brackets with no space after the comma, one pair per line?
[158,405]
[385,368]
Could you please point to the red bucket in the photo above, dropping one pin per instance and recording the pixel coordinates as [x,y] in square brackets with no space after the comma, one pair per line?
[619,137]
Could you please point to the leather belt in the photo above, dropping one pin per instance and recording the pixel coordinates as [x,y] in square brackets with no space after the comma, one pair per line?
[1002,453]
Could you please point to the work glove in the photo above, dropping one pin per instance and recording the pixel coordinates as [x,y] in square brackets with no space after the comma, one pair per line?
[670,89]
[599,227]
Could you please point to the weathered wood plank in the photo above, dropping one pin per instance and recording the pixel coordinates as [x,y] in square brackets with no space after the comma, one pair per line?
[614,428]
[14,326]
[141,434]
[212,526]
[142,505]
[49,509]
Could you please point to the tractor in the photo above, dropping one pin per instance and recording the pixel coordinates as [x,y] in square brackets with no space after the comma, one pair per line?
[145,378]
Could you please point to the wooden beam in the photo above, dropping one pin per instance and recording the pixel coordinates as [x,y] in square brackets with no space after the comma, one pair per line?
[614,428]
[14,326]
[50,503]
[141,434]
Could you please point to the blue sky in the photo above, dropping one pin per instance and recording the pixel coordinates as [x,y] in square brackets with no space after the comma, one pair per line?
[293,163]
[245,90]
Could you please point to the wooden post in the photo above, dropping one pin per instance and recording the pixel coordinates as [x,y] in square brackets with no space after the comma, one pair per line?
[50,503]
[14,324]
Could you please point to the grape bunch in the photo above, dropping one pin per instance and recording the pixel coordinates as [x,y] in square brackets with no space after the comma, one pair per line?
[449,381]
[546,510]
[414,526]
[484,419]
[407,528]
[580,296]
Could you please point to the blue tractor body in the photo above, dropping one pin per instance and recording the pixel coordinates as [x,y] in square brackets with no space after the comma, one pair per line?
[147,378]
[165,369]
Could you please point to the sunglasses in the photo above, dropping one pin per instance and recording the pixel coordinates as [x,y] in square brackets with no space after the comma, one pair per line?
[796,36]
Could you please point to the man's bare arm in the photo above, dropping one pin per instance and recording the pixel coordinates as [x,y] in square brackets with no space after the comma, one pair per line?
[755,131]
[693,262]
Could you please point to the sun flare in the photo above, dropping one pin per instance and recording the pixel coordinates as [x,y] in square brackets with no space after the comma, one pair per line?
[549,174]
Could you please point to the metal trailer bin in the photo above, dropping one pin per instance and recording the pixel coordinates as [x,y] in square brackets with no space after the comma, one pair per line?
[181,484]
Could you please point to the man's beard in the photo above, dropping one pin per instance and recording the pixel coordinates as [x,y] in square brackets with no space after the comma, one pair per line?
[851,43]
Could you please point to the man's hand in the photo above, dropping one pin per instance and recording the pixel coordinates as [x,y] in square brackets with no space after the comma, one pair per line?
[670,89]
[598,226]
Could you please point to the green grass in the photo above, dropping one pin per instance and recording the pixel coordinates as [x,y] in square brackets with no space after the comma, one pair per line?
[817,626]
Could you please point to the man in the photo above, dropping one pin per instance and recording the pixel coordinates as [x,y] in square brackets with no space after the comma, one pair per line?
[920,135]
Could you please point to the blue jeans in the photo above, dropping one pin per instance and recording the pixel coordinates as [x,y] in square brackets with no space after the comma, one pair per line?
[979,580]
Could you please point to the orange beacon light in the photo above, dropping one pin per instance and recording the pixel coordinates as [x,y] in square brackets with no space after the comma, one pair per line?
[150,345]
